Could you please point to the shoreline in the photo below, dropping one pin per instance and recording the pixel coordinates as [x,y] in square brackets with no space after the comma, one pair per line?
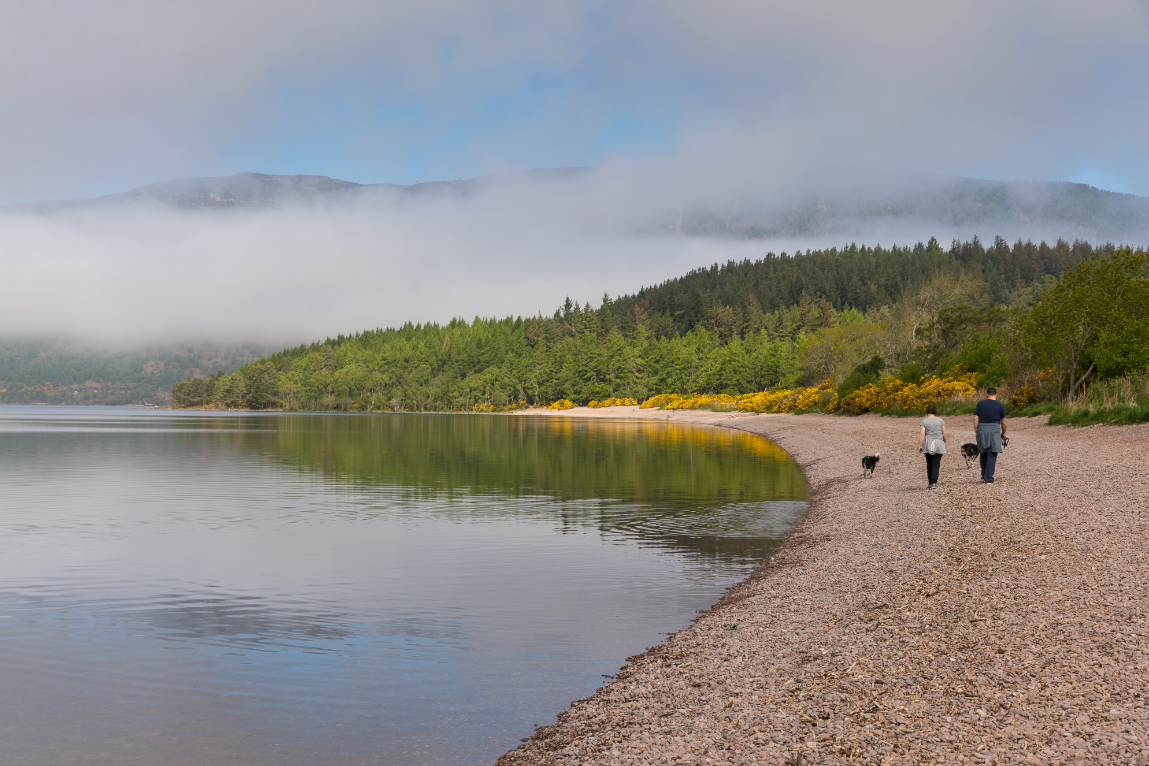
[1003,623]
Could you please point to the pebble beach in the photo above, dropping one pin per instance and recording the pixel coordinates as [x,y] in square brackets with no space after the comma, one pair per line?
[993,624]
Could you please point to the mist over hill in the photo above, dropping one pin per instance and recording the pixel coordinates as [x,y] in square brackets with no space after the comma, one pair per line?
[1073,211]
[262,190]
[1012,208]
[62,370]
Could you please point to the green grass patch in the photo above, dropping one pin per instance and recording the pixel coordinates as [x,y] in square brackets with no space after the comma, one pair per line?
[1117,415]
[1035,409]
[949,409]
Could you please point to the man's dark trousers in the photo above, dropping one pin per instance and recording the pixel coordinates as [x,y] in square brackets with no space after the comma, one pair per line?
[988,464]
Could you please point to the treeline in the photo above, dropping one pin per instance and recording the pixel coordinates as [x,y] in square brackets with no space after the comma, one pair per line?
[743,327]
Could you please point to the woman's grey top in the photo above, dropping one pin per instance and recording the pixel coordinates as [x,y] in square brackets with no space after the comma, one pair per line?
[933,444]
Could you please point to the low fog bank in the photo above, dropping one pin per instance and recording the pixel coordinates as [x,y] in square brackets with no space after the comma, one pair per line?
[294,269]
[295,273]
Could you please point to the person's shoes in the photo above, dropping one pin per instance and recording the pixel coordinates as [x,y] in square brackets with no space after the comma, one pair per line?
[933,486]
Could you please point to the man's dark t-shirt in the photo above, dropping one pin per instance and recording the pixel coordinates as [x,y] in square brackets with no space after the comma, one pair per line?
[989,411]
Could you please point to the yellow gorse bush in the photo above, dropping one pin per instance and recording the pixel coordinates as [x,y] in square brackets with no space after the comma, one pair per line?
[689,401]
[613,402]
[1023,396]
[484,407]
[788,399]
[698,401]
[809,398]
[563,404]
[910,396]
[886,394]
[780,400]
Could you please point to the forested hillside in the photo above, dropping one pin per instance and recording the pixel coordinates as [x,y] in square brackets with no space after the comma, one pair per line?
[733,329]
[64,371]
[741,294]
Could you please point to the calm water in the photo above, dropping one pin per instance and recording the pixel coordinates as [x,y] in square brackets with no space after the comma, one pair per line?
[199,588]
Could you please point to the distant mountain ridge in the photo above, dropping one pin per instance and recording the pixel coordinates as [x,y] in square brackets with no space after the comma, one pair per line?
[1049,208]
[256,190]
[1074,210]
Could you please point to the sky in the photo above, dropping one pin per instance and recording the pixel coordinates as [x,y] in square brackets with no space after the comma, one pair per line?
[699,99]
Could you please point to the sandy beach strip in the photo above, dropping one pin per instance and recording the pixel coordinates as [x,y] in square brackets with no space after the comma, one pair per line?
[1002,623]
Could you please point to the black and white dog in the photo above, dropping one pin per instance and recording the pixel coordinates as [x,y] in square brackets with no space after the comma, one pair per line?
[970,451]
[869,462]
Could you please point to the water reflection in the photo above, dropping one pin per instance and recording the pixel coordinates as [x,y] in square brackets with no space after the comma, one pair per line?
[338,589]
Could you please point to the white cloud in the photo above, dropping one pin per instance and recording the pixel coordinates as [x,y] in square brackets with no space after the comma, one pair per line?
[128,92]
[298,273]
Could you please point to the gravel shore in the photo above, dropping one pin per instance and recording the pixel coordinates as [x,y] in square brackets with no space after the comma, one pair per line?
[1002,623]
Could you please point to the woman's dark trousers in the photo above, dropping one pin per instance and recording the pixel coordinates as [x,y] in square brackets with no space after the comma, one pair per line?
[933,466]
[988,464]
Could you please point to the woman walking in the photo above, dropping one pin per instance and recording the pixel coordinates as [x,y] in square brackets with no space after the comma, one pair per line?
[932,443]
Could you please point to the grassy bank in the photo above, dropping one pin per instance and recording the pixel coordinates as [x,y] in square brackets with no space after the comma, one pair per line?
[1119,401]
[1119,415]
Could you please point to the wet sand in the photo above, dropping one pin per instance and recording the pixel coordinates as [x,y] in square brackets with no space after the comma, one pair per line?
[1002,623]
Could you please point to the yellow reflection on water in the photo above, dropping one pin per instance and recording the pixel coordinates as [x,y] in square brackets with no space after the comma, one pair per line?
[676,434]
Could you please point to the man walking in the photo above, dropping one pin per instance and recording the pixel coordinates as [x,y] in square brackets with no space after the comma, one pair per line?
[989,428]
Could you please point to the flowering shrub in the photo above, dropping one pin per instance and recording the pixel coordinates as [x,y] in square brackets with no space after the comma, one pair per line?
[563,404]
[689,401]
[698,401]
[614,402]
[1023,396]
[809,398]
[880,396]
[512,406]
[484,407]
[892,391]
[786,399]
[780,400]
